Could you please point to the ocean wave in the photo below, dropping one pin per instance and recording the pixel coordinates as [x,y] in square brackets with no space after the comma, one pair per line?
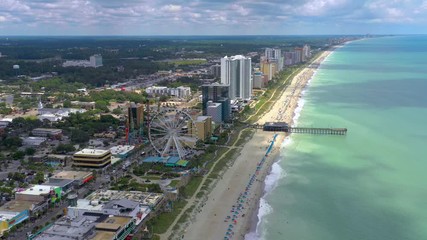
[271,182]
[297,112]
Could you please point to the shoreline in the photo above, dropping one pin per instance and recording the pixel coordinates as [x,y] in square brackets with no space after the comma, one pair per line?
[251,232]
[231,216]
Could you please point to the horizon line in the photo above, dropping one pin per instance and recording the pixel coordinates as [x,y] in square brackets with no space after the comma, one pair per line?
[203,35]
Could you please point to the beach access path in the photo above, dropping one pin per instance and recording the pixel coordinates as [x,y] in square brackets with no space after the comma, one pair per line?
[208,223]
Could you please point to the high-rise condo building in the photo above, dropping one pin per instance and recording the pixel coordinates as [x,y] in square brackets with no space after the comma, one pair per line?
[275,54]
[236,71]
[218,93]
[135,115]
[95,60]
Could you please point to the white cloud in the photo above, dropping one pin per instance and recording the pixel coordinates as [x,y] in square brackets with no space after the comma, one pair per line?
[240,9]
[109,15]
[171,8]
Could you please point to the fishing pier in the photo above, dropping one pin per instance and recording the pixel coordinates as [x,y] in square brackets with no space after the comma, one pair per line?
[284,127]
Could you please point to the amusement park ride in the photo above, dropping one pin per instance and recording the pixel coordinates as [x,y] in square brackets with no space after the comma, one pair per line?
[171,132]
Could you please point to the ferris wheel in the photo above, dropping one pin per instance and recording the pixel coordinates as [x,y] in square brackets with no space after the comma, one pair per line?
[171,133]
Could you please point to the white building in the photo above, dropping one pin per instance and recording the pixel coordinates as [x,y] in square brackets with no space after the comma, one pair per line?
[306,51]
[215,111]
[95,60]
[275,54]
[236,71]
[180,92]
[33,141]
[56,114]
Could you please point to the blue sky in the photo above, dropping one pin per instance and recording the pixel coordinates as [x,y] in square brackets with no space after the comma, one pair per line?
[206,17]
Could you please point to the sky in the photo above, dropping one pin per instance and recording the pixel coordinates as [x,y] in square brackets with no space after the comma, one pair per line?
[212,17]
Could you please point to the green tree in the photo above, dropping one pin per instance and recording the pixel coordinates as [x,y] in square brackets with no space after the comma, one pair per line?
[39,178]
[18,155]
[30,151]
[66,104]
[12,142]
[102,105]
[79,136]
[117,111]
[65,148]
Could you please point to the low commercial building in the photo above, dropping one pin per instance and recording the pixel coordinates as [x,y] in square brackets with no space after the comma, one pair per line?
[180,92]
[5,122]
[152,200]
[79,177]
[114,227]
[40,193]
[66,185]
[122,151]
[33,141]
[122,207]
[276,127]
[13,213]
[92,158]
[89,226]
[47,132]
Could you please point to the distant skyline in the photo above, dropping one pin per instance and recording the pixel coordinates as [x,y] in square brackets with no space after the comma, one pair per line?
[205,17]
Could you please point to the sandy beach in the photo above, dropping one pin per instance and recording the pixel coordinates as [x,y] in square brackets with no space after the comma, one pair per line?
[230,209]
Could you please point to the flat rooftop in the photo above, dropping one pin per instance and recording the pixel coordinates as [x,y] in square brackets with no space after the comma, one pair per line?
[202,118]
[58,182]
[144,198]
[7,216]
[91,152]
[79,175]
[69,229]
[37,190]
[17,206]
[48,129]
[113,223]
[102,235]
[88,205]
[121,149]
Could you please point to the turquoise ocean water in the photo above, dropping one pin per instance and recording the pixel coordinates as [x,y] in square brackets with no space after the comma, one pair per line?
[372,183]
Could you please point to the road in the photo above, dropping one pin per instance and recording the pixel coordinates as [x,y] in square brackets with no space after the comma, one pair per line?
[51,213]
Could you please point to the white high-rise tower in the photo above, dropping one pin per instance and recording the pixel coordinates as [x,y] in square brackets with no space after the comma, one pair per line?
[236,71]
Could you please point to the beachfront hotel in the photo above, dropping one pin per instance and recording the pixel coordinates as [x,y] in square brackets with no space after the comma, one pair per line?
[92,158]
[236,71]
[218,93]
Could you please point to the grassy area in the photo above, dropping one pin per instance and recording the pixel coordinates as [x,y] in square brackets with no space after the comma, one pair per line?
[188,62]
[174,183]
[162,222]
[243,137]
[213,160]
[192,186]
[151,177]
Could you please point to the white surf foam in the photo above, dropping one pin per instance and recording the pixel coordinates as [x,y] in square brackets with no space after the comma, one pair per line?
[271,182]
